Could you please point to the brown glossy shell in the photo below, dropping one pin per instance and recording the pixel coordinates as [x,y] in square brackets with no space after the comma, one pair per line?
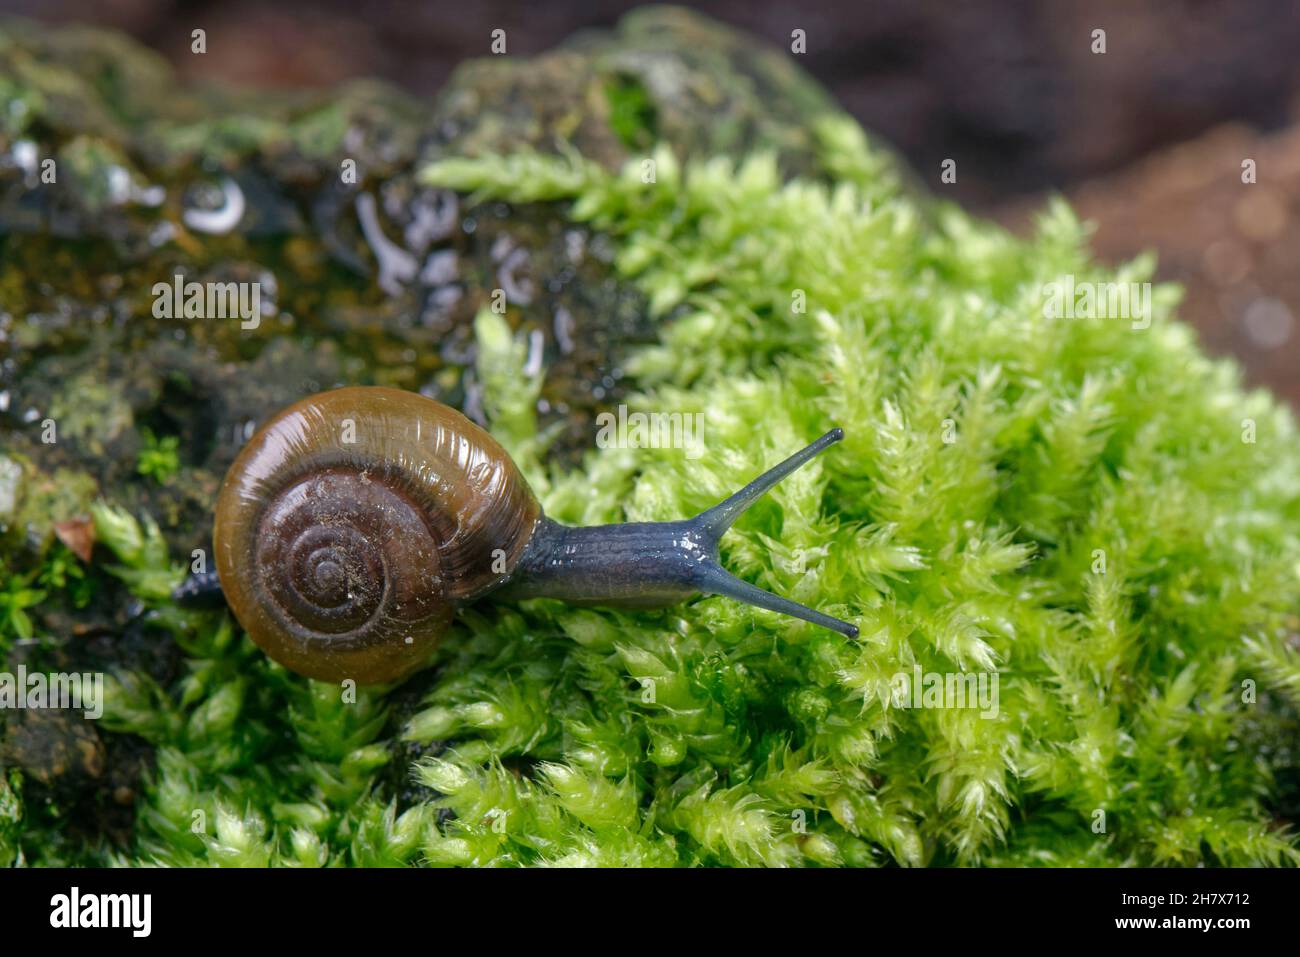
[355,522]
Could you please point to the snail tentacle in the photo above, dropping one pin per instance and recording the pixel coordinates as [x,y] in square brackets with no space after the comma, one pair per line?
[654,564]
[200,590]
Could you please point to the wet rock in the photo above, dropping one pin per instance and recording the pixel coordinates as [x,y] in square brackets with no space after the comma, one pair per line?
[53,747]
[362,275]
[663,74]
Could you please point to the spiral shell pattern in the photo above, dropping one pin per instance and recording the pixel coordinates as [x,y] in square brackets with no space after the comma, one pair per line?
[355,522]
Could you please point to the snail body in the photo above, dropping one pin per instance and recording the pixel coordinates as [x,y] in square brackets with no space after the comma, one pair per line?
[356,522]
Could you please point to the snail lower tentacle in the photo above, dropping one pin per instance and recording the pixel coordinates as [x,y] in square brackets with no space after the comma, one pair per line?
[355,523]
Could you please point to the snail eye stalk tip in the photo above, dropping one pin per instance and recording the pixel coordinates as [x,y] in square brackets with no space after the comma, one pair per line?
[720,518]
[716,580]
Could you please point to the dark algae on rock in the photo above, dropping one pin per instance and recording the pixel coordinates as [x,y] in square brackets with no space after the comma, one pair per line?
[666,214]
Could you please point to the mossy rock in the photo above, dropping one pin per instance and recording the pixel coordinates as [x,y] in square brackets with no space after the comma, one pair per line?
[1086,509]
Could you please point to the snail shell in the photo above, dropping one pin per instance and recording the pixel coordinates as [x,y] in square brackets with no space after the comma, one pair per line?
[354,523]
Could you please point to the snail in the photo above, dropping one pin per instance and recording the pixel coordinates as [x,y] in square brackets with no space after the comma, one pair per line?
[354,524]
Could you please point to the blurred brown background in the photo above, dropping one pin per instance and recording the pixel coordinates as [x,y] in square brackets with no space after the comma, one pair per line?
[1146,139]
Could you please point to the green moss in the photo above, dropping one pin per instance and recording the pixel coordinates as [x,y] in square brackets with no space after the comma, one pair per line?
[11,818]
[17,596]
[1097,514]
[631,111]
[62,571]
[159,458]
